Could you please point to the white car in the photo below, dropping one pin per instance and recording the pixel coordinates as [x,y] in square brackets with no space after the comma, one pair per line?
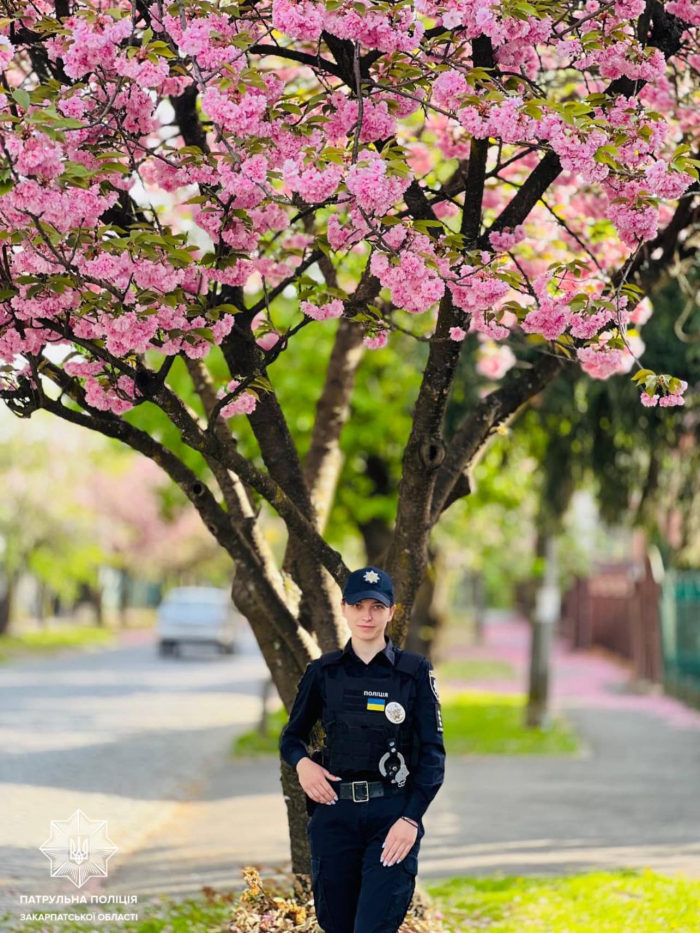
[197,615]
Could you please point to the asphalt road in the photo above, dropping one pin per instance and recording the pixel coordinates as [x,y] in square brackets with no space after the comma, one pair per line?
[122,734]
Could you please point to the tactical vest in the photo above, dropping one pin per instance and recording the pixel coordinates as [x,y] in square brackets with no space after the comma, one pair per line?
[354,714]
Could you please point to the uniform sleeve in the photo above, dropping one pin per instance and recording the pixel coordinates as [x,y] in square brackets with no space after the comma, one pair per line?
[305,713]
[429,773]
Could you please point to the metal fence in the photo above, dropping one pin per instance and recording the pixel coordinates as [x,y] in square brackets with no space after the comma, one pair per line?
[680,632]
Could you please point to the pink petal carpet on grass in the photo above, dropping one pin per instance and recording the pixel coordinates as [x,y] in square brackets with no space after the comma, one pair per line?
[584,678]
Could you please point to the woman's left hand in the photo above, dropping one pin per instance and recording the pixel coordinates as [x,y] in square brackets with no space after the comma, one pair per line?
[398,842]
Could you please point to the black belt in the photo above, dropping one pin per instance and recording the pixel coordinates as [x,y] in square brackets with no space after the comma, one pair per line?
[361,791]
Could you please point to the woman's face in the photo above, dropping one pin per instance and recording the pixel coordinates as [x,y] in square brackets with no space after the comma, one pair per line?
[367,619]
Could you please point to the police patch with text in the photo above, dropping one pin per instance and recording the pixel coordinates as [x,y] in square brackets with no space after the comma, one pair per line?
[433,687]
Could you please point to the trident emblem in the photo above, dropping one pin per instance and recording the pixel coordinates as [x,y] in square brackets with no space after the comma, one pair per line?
[78,853]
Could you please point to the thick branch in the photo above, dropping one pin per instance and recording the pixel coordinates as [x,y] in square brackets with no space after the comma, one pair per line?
[186,117]
[482,55]
[479,424]
[423,455]
[304,58]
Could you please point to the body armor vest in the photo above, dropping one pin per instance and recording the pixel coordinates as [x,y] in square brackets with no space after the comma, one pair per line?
[358,729]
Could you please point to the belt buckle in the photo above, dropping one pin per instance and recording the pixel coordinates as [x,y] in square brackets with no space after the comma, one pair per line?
[362,800]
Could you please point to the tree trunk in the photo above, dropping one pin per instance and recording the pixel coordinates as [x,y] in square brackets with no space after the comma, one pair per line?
[6,599]
[124,587]
[41,602]
[297,819]
[285,676]
[95,599]
[544,618]
[479,597]
[427,618]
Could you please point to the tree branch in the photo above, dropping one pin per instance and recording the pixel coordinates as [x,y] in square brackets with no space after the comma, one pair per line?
[479,424]
[216,519]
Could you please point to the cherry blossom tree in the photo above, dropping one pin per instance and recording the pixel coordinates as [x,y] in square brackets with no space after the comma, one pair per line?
[175,176]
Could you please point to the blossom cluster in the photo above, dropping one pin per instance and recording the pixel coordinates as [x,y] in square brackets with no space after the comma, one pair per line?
[167,169]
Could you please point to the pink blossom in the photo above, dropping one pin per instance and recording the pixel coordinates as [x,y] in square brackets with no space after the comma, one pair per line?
[313,185]
[665,183]
[93,45]
[146,73]
[448,87]
[635,218]
[674,398]
[585,326]
[267,340]
[668,401]
[507,239]
[242,404]
[106,399]
[379,340]
[477,290]
[301,20]
[642,312]
[243,118]
[83,367]
[457,333]
[414,285]
[685,10]
[375,191]
[332,309]
[6,52]
[38,155]
[377,122]
[494,360]
[599,363]
[399,32]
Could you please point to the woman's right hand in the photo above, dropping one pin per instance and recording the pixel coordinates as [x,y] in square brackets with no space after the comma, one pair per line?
[312,778]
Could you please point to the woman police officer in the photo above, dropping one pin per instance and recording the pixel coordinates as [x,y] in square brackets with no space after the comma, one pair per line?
[382,764]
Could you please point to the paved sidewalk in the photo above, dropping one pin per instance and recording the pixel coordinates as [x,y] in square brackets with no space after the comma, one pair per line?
[629,799]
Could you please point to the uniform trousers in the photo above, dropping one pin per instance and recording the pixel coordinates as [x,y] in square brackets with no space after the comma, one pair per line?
[353,891]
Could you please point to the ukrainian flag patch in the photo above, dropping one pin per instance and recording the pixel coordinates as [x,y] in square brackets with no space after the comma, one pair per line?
[377,703]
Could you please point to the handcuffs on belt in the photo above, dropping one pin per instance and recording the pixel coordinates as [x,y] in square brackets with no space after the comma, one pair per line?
[397,769]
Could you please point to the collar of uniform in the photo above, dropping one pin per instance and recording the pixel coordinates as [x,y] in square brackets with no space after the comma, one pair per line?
[389,650]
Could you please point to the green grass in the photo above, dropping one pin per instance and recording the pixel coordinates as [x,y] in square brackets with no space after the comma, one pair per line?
[253,744]
[53,639]
[481,723]
[476,723]
[474,669]
[595,902]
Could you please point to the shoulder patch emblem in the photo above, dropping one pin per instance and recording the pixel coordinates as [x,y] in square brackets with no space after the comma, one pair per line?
[438,711]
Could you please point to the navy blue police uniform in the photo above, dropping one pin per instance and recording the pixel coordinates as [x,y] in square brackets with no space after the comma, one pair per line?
[384,738]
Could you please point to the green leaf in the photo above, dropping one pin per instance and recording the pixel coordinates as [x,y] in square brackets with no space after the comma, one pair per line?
[642,374]
[226,308]
[22,98]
